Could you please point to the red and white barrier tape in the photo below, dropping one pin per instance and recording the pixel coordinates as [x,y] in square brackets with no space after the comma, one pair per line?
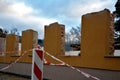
[62,62]
[49,63]
[8,66]
[83,73]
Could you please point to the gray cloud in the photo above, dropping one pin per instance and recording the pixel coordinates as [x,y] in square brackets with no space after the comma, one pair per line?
[19,15]
[30,14]
[4,6]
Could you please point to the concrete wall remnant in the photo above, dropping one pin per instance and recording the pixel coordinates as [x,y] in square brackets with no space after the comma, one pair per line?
[97,43]
[29,40]
[54,41]
[2,46]
[12,42]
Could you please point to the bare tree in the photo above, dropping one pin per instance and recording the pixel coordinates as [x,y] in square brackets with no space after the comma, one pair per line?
[3,33]
[14,31]
[67,38]
[75,34]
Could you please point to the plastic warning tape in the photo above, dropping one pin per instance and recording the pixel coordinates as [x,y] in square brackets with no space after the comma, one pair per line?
[11,64]
[8,66]
[83,73]
[62,62]
[49,63]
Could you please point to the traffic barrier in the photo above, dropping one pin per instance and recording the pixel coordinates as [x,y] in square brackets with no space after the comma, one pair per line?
[37,64]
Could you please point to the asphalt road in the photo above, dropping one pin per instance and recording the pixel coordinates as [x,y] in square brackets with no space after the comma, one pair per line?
[4,76]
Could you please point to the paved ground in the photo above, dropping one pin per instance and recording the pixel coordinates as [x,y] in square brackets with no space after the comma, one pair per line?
[66,73]
[4,76]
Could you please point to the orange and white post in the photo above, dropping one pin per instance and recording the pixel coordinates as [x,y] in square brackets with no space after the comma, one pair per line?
[37,64]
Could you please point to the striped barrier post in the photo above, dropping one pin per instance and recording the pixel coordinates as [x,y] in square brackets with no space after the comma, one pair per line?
[37,65]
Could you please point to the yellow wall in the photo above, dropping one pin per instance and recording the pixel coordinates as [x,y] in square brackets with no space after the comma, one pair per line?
[29,41]
[55,39]
[11,48]
[12,41]
[96,43]
[2,46]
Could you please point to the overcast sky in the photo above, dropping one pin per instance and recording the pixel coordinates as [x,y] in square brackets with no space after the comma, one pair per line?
[34,14]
